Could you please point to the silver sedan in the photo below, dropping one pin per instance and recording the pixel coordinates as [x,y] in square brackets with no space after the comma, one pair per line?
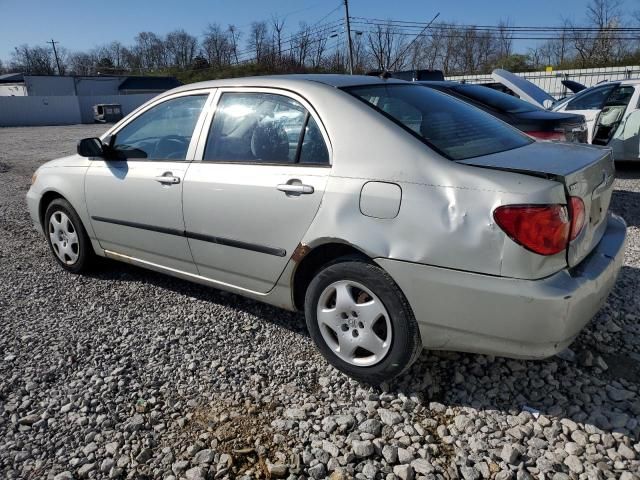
[396,217]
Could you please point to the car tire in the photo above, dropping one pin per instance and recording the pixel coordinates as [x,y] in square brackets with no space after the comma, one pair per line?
[346,303]
[67,237]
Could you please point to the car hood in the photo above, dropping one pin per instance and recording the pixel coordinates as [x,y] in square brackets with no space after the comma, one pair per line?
[68,161]
[522,87]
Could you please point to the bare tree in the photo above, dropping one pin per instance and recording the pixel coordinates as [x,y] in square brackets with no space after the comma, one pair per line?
[318,48]
[150,50]
[217,45]
[301,44]
[504,38]
[34,60]
[604,13]
[385,45]
[81,63]
[181,48]
[258,38]
[278,26]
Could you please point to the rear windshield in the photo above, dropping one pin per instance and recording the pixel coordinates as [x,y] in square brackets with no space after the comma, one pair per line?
[450,126]
[498,100]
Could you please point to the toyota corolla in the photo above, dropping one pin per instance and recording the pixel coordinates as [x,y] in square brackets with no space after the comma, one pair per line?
[396,217]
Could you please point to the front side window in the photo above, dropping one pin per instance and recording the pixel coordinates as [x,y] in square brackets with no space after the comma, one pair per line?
[163,132]
[263,128]
[450,126]
[590,99]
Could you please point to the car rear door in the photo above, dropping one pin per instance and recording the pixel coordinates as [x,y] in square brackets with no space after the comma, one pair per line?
[264,163]
[135,204]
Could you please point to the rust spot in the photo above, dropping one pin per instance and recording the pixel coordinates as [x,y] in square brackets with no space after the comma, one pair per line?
[300,252]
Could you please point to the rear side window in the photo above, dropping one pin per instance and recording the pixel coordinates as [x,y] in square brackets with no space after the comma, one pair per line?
[264,128]
[450,126]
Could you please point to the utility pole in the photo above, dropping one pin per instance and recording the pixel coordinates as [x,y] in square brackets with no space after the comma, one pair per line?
[350,45]
[55,53]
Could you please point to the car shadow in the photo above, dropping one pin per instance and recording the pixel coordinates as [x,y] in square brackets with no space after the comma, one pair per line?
[112,270]
[628,170]
[626,204]
[553,387]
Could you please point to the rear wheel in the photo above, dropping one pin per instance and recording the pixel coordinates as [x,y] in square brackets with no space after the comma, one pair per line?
[67,238]
[361,321]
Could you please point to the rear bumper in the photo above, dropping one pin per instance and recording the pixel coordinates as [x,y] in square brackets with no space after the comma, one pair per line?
[505,316]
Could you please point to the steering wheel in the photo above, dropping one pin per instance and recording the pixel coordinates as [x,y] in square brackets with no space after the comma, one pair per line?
[171,147]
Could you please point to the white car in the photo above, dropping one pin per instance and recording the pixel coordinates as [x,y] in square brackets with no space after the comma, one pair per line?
[611,110]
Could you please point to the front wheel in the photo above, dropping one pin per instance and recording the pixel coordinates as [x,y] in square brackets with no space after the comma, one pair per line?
[361,321]
[67,238]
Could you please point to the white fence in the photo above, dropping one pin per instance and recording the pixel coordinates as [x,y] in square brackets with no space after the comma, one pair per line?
[551,82]
[60,110]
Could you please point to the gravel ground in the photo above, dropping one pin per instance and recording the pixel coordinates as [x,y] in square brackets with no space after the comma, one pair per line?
[130,374]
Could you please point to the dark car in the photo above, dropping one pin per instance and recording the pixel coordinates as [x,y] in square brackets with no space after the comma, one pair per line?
[534,121]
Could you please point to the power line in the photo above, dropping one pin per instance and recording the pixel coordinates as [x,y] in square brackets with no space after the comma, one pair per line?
[466,35]
[412,42]
[414,24]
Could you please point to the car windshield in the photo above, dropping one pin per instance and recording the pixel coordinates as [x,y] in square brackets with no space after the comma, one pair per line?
[498,100]
[450,126]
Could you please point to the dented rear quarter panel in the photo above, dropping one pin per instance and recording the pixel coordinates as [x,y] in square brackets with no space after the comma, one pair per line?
[445,216]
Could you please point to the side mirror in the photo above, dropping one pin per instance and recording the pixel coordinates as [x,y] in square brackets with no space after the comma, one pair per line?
[91,147]
[547,104]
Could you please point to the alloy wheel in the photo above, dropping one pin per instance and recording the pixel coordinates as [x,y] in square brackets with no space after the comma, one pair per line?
[354,323]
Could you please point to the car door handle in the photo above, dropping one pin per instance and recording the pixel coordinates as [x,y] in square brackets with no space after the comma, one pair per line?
[295,188]
[167,179]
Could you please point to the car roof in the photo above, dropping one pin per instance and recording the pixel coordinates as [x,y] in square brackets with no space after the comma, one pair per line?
[287,81]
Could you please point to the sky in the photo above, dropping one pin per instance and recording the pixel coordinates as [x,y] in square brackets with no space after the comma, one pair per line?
[84,24]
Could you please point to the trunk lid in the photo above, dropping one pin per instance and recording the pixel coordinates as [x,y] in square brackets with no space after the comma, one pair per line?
[522,87]
[585,171]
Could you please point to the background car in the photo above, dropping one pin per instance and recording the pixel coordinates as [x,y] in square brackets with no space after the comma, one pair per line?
[534,121]
[611,110]
[395,216]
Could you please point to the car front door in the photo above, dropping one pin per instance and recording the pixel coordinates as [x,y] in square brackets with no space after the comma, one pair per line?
[612,114]
[135,203]
[251,198]
[589,103]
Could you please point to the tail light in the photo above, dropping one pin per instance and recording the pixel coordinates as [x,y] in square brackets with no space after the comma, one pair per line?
[542,229]
[550,136]
[577,215]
